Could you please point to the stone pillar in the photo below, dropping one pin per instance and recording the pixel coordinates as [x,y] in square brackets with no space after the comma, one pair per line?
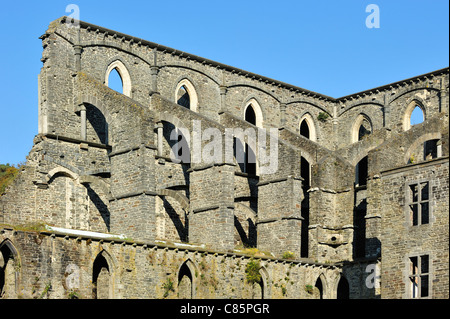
[282,114]
[83,122]
[154,73]
[154,85]
[223,92]
[159,128]
[386,112]
[442,97]
[77,49]
[211,220]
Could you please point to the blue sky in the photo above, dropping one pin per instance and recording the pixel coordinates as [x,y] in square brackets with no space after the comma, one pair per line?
[323,46]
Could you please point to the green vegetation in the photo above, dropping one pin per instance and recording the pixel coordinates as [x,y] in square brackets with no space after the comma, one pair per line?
[309,289]
[168,286]
[323,116]
[7,175]
[252,272]
[288,255]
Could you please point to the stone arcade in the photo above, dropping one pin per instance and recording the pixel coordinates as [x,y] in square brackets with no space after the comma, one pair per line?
[357,207]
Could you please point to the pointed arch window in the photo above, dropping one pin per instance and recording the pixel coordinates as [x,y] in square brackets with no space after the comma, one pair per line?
[343,289]
[304,129]
[253,113]
[186,280]
[101,277]
[186,95]
[118,78]
[361,128]
[250,115]
[414,114]
[115,81]
[307,127]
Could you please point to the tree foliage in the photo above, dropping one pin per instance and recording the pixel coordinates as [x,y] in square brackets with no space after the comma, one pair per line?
[252,272]
[7,174]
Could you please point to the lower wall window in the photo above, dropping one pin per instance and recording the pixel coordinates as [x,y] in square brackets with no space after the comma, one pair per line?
[419,277]
[419,210]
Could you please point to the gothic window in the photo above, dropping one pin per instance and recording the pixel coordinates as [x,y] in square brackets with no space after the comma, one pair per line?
[343,289]
[115,81]
[250,115]
[101,277]
[414,114]
[8,270]
[186,96]
[304,129]
[419,276]
[183,98]
[361,128]
[253,113]
[307,128]
[364,129]
[418,203]
[118,78]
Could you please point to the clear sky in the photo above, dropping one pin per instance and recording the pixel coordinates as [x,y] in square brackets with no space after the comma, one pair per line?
[323,46]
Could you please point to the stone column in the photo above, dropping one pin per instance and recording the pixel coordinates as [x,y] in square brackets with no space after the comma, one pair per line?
[154,74]
[282,114]
[83,122]
[223,92]
[77,49]
[159,128]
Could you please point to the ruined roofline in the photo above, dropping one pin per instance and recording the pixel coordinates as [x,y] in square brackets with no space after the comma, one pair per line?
[163,48]
[397,83]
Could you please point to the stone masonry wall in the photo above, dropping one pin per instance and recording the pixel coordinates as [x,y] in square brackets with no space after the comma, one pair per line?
[102,163]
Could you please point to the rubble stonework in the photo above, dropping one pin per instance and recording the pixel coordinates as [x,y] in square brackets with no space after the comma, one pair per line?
[106,207]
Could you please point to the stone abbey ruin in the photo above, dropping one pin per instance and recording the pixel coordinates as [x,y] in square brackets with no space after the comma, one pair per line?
[115,201]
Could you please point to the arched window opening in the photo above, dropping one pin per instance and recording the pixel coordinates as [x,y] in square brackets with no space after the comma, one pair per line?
[101,278]
[319,287]
[250,115]
[304,129]
[364,129]
[115,81]
[185,286]
[361,172]
[118,78]
[417,116]
[343,289]
[186,95]
[183,97]
[307,128]
[361,128]
[7,271]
